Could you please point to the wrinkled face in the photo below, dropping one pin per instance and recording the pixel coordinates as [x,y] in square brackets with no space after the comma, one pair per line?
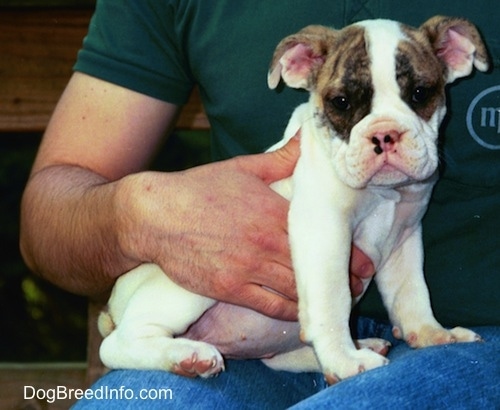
[381,93]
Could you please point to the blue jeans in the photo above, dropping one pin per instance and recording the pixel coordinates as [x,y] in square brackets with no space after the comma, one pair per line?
[457,376]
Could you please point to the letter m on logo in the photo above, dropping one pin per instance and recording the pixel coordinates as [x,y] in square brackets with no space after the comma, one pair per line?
[490,117]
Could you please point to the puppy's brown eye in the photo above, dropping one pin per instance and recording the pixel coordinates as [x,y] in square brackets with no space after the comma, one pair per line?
[420,95]
[341,103]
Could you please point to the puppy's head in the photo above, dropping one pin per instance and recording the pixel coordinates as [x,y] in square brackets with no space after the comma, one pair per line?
[378,86]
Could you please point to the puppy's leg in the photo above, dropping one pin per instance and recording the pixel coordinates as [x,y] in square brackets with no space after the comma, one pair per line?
[404,291]
[320,238]
[148,310]
[304,359]
[300,360]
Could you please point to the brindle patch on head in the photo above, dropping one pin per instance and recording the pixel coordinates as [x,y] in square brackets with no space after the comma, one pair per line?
[420,74]
[345,82]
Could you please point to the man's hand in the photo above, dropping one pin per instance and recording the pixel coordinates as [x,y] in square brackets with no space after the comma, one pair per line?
[220,231]
[361,268]
[89,214]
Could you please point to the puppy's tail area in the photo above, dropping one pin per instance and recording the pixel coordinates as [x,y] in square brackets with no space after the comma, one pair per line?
[105,323]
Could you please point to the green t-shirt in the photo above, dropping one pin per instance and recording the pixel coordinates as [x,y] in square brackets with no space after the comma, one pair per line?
[163,48]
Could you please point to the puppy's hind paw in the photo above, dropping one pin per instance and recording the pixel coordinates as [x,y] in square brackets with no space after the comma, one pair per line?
[377,345]
[192,367]
[204,361]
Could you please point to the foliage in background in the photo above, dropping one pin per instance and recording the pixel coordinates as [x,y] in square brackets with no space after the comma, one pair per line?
[40,322]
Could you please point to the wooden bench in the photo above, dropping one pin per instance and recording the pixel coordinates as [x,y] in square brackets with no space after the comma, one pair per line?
[37,50]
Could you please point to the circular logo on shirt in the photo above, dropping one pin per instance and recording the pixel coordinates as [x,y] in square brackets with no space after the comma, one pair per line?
[483,118]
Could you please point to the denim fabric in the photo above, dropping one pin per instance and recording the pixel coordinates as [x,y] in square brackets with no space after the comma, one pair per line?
[455,376]
[458,376]
[244,385]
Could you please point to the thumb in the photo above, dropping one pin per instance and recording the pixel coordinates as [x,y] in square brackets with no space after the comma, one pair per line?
[275,165]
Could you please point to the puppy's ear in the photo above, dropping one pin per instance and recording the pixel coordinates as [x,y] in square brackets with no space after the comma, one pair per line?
[458,44]
[298,57]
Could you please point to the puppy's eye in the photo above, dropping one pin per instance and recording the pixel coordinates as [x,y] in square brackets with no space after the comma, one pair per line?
[420,95]
[341,103]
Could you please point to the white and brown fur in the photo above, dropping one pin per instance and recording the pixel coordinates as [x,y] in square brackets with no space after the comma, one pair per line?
[366,170]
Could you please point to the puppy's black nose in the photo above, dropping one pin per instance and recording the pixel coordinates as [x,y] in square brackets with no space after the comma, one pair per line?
[385,141]
[378,149]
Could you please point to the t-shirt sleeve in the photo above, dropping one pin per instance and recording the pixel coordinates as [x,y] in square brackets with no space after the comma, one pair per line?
[134,44]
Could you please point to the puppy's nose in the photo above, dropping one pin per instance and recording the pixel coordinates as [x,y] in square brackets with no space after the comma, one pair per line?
[385,141]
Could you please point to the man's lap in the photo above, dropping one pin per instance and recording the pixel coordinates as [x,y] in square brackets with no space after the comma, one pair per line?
[452,376]
[244,385]
[455,376]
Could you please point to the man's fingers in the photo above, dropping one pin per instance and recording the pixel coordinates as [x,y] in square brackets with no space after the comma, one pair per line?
[275,165]
[269,303]
[356,285]
[361,265]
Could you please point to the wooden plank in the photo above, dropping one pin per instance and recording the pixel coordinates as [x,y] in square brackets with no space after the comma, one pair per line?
[38,48]
[47,3]
[37,51]
[22,383]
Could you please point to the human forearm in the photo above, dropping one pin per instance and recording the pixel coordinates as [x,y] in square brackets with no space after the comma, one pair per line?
[218,229]
[69,229]
[99,132]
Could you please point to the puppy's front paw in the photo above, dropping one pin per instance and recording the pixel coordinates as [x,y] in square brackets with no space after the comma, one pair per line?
[355,362]
[196,359]
[436,335]
[462,334]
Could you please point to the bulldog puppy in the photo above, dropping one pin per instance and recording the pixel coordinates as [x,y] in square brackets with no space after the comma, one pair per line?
[366,170]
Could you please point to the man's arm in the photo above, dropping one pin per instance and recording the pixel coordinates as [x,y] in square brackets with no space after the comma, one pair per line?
[90,213]
[98,134]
